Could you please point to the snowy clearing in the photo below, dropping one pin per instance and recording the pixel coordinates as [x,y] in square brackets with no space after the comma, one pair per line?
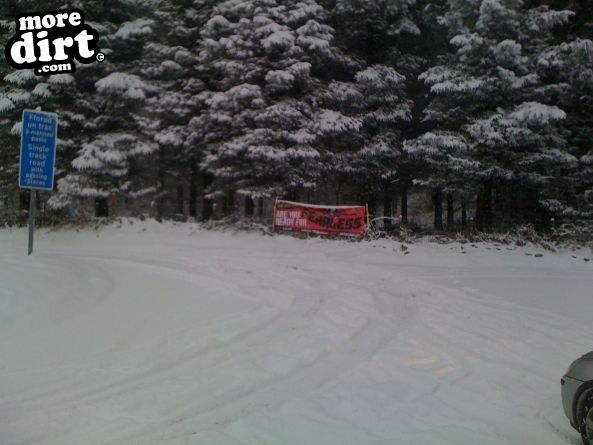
[167,334]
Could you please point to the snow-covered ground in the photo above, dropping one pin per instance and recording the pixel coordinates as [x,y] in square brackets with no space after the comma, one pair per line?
[167,334]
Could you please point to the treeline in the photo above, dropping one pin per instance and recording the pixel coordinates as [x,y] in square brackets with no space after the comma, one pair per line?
[485,105]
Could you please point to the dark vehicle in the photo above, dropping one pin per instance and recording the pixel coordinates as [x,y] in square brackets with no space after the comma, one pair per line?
[577,396]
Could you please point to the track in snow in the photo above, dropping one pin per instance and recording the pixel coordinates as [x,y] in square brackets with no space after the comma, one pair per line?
[156,336]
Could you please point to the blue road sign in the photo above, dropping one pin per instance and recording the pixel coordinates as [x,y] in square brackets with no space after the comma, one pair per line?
[38,150]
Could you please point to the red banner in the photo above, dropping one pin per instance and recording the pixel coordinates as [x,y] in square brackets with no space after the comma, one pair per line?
[334,220]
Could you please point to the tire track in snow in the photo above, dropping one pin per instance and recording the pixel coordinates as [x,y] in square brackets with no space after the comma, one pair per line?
[210,357]
[308,376]
[102,287]
[303,380]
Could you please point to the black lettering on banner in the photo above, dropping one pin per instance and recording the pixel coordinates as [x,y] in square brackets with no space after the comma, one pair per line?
[330,221]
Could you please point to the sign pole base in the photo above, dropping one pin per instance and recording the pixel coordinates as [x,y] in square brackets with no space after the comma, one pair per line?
[32,207]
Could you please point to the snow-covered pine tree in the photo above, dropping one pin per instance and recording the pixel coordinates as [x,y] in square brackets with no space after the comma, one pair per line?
[24,90]
[401,38]
[360,130]
[264,63]
[385,112]
[171,66]
[108,168]
[339,138]
[377,31]
[443,155]
[570,66]
[489,92]
[10,101]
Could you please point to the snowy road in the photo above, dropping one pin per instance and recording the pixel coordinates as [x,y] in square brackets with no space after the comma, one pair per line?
[151,334]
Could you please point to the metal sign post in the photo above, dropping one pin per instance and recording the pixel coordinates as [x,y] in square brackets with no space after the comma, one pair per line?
[38,157]
[31,220]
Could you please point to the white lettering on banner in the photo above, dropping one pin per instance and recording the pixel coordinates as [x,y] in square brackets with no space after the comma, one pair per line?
[290,218]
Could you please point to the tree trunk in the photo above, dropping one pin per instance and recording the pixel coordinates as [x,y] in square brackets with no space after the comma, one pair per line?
[484,208]
[228,203]
[536,215]
[387,213]
[515,210]
[291,196]
[160,202]
[207,209]
[404,207]
[499,208]
[180,199]
[488,211]
[101,207]
[463,214]
[207,204]
[371,207]
[450,212]
[479,218]
[438,209]
[260,206]
[224,204]
[249,205]
[193,192]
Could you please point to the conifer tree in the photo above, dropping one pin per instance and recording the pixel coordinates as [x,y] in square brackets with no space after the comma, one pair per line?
[569,65]
[401,38]
[21,90]
[489,92]
[169,66]
[264,64]
[106,167]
